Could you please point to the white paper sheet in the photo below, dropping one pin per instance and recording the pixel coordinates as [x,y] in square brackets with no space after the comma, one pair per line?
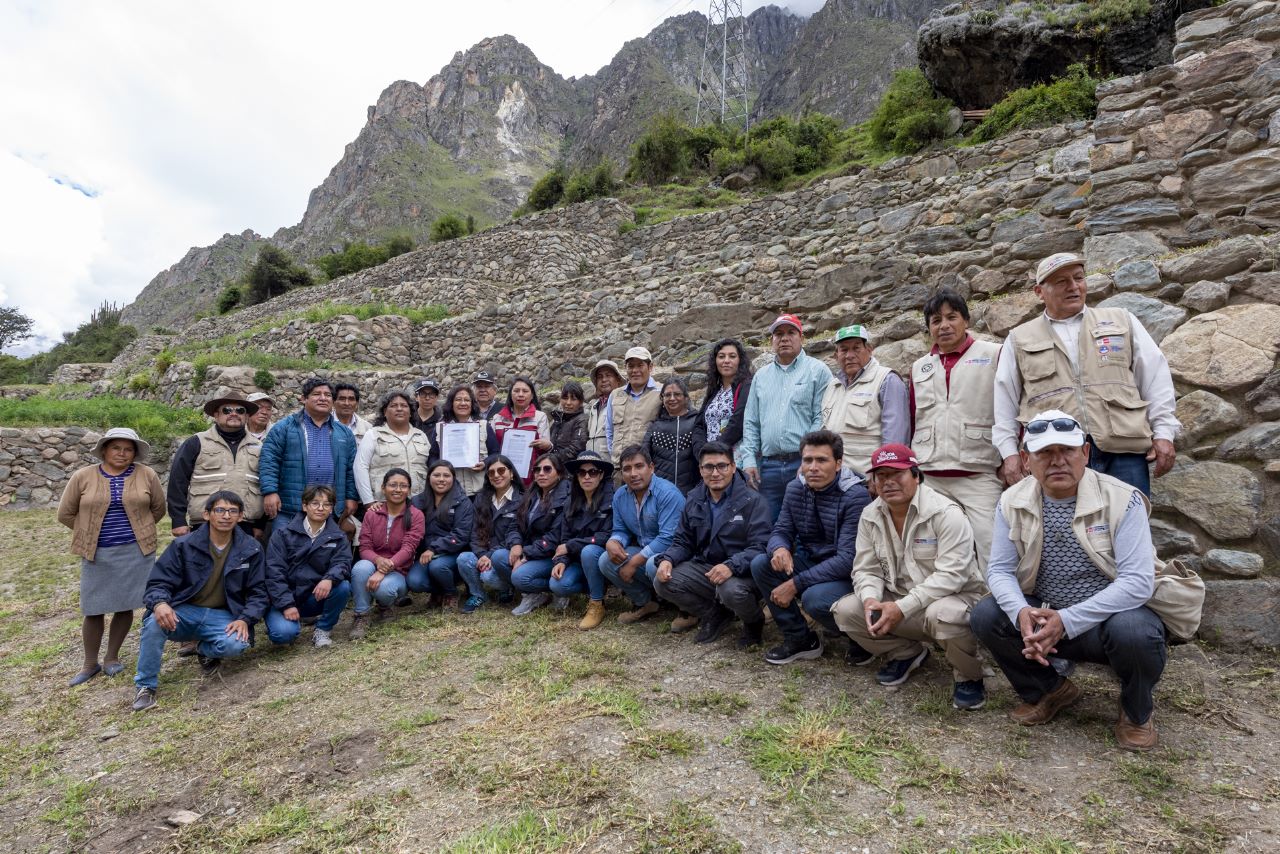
[517,446]
[460,444]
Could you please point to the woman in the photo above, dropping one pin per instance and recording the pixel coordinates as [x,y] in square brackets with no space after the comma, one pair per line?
[488,563]
[391,443]
[522,412]
[540,509]
[569,424]
[461,407]
[728,384]
[308,563]
[675,437]
[112,509]
[449,518]
[389,539]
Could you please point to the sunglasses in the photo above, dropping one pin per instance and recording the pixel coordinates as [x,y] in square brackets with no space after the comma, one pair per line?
[1059,425]
[234,410]
[499,470]
[590,472]
[545,469]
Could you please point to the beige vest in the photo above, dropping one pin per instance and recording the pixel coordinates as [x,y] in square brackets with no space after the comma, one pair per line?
[631,418]
[953,431]
[215,469]
[853,411]
[391,453]
[933,558]
[1102,393]
[1178,596]
[596,439]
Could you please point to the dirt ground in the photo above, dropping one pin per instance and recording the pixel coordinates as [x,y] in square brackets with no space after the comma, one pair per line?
[490,733]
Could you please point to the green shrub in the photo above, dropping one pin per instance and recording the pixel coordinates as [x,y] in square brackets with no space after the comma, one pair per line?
[725,161]
[660,153]
[200,370]
[547,191]
[273,274]
[141,381]
[704,140]
[153,421]
[775,155]
[426,314]
[402,243]
[1104,14]
[359,255]
[98,339]
[985,17]
[448,227]
[13,371]
[228,299]
[909,115]
[1071,97]
[264,379]
[313,346]
[164,361]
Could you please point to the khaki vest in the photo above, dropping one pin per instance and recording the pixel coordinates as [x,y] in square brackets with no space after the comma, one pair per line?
[390,453]
[1102,393]
[596,439]
[631,418]
[933,558]
[215,469]
[853,411]
[953,431]
[1178,596]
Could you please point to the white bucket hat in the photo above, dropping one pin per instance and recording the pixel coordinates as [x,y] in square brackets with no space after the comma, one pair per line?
[142,447]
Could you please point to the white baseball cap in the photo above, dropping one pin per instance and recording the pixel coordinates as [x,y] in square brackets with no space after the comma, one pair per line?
[1052,427]
[1054,263]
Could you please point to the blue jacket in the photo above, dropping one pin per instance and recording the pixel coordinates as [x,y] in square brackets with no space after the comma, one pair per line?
[581,528]
[296,563]
[542,520]
[659,517]
[506,532]
[448,529]
[734,534]
[186,564]
[282,465]
[824,524]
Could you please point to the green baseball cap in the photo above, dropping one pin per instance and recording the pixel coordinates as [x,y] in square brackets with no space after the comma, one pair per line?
[856,330]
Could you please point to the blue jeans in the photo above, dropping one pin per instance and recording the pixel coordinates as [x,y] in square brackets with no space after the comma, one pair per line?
[589,565]
[1133,469]
[816,600]
[206,626]
[281,630]
[473,577]
[640,588]
[390,590]
[774,477]
[498,575]
[533,576]
[439,575]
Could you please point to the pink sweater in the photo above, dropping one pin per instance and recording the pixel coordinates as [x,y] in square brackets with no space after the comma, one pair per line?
[400,546]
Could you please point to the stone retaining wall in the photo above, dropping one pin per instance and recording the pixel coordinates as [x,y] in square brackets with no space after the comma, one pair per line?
[37,462]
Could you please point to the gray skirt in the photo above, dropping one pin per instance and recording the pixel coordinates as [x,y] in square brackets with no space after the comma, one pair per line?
[114,580]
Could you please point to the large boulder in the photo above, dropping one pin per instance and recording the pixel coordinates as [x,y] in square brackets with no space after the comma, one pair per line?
[1202,413]
[1242,613]
[708,323]
[1158,317]
[1002,315]
[1108,251]
[1224,499]
[1225,349]
[1259,442]
[1238,181]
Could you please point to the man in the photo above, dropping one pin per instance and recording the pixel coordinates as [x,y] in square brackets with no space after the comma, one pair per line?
[605,376]
[952,393]
[632,407]
[645,517]
[346,400]
[223,457]
[785,403]
[706,571]
[208,586]
[260,422]
[486,391]
[1100,366]
[914,579]
[427,393]
[306,448]
[867,403]
[1073,574]
[808,557]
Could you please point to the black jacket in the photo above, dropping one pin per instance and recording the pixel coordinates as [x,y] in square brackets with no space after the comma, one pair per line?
[825,523]
[735,537]
[674,444]
[568,435]
[185,566]
[296,563]
[448,528]
[506,533]
[577,530]
[542,520]
[732,433]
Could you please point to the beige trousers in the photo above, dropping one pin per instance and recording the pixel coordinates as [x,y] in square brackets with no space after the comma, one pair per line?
[944,622]
[977,496]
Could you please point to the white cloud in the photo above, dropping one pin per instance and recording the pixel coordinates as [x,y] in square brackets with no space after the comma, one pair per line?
[190,120]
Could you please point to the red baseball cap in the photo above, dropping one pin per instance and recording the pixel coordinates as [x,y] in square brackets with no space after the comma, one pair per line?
[893,456]
[786,320]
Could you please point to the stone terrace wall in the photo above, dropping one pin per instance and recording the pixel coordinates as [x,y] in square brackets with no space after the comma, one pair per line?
[71,374]
[36,462]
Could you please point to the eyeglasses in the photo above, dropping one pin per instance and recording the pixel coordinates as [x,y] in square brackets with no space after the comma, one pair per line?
[1059,425]
[234,410]
[590,472]
[225,511]
[320,505]
[672,394]
[715,468]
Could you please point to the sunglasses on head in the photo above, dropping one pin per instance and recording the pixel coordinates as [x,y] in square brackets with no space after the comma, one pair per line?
[234,410]
[1059,425]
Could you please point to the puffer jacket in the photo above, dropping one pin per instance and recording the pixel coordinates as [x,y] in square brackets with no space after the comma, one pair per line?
[296,563]
[824,523]
[674,443]
[542,519]
[282,465]
[568,435]
[448,525]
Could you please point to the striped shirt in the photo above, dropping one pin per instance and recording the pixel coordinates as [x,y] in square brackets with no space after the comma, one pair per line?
[116,529]
[785,403]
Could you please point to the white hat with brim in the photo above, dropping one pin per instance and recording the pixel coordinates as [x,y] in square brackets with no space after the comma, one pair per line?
[1056,262]
[143,448]
[1072,438]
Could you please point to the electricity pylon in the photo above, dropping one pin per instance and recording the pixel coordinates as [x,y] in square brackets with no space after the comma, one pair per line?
[723,82]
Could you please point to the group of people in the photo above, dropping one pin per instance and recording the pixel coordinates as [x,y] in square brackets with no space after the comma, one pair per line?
[997,499]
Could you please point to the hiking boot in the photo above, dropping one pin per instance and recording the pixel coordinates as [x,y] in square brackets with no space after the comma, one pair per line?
[1136,737]
[530,602]
[471,604]
[856,656]
[593,617]
[321,638]
[789,650]
[208,665]
[896,672]
[1048,706]
[752,635]
[713,625]
[969,695]
[359,625]
[683,623]
[144,699]
[648,609]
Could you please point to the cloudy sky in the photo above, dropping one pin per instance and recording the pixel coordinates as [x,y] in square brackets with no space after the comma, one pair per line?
[130,132]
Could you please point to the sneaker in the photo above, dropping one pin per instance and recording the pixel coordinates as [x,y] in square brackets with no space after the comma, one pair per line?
[472,603]
[593,617]
[897,672]
[144,699]
[207,664]
[359,626]
[752,635]
[506,597]
[713,625]
[648,609]
[560,603]
[530,602]
[1047,707]
[969,695]
[788,651]
[856,656]
[683,623]
[322,638]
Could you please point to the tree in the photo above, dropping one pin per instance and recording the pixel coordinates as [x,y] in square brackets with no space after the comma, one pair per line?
[273,274]
[14,327]
[448,227]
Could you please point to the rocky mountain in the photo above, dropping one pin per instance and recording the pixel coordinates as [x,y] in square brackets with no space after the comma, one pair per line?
[175,295]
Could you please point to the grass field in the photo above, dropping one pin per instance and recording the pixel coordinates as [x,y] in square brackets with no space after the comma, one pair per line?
[492,733]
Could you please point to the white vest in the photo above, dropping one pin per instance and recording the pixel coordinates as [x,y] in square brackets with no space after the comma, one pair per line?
[391,453]
[953,431]
[853,411]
